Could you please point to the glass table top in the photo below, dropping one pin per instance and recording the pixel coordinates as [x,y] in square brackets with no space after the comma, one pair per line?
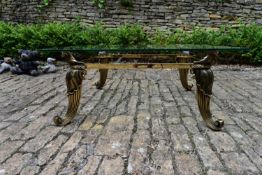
[147,49]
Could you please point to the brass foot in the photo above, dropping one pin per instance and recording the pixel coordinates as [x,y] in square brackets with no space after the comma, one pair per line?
[204,82]
[183,73]
[74,80]
[103,76]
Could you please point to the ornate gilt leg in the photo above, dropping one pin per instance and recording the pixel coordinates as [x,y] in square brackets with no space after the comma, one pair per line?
[183,73]
[204,81]
[74,80]
[102,80]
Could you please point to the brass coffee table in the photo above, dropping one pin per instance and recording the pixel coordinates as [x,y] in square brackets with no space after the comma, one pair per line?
[145,58]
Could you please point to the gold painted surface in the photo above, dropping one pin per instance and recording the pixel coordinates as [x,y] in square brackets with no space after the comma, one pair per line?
[183,73]
[141,56]
[74,80]
[102,80]
[204,82]
[203,75]
[141,65]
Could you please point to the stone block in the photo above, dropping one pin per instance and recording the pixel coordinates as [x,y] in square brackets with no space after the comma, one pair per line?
[222,141]
[180,138]
[207,155]
[111,166]
[50,149]
[8,148]
[239,163]
[42,138]
[188,164]
[91,165]
[16,163]
[115,141]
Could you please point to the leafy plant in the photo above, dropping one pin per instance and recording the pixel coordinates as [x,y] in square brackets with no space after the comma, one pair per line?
[43,4]
[99,3]
[159,38]
[35,36]
[129,35]
[126,3]
[97,35]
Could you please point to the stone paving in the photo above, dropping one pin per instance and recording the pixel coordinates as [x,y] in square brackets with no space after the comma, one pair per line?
[141,122]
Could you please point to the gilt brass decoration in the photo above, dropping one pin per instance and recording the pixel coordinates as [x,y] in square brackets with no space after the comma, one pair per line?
[203,75]
[74,78]
[183,73]
[103,76]
[172,57]
[142,65]
[204,82]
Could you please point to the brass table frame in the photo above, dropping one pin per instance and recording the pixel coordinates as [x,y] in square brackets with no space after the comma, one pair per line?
[201,69]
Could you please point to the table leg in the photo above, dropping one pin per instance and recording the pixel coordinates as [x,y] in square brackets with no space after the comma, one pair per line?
[204,82]
[102,80]
[183,73]
[74,80]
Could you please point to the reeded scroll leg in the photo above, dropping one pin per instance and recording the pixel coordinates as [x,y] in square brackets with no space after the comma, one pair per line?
[204,81]
[102,80]
[183,73]
[74,80]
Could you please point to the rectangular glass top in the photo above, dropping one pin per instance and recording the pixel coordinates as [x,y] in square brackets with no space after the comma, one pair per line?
[147,49]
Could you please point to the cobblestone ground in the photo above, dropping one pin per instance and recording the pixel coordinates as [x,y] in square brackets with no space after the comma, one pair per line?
[142,122]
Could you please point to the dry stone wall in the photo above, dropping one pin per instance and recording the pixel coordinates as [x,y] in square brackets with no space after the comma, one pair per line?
[163,14]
